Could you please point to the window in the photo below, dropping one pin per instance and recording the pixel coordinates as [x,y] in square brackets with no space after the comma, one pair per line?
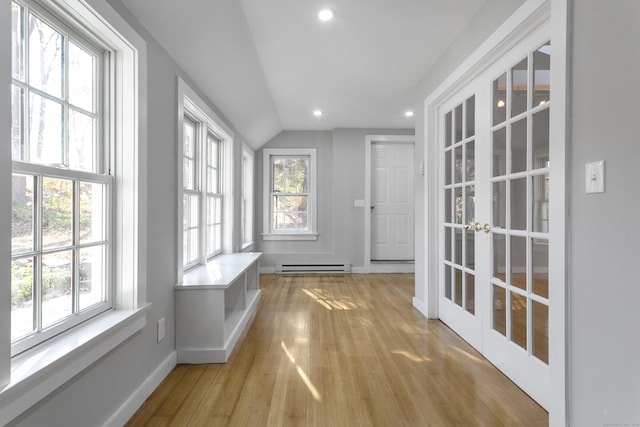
[246,208]
[60,184]
[290,194]
[74,174]
[206,149]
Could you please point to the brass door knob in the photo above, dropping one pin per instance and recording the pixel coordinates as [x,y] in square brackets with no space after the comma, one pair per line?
[487,228]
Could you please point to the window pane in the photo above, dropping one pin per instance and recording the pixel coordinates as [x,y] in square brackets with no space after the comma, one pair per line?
[81,141]
[92,276]
[92,215]
[22,315]
[519,87]
[500,152]
[470,117]
[500,99]
[290,212]
[17,135]
[540,260]
[457,176]
[518,265]
[519,204]
[499,312]
[81,77]
[458,123]
[541,75]
[57,301]
[22,232]
[540,139]
[290,174]
[541,331]
[540,205]
[45,132]
[17,41]
[519,146]
[470,163]
[45,57]
[57,212]
[189,153]
[519,319]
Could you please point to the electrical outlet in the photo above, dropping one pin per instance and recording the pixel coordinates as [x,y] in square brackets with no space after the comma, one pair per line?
[160,329]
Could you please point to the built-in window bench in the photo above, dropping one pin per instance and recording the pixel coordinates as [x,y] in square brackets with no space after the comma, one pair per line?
[214,305]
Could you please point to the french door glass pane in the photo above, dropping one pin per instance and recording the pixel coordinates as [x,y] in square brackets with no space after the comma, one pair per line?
[540,203]
[91,276]
[519,87]
[541,75]
[459,204]
[519,146]
[499,207]
[470,293]
[470,117]
[458,287]
[447,282]
[499,256]
[500,152]
[470,161]
[518,204]
[57,300]
[519,319]
[57,212]
[458,173]
[540,260]
[499,305]
[45,132]
[447,167]
[458,123]
[447,206]
[22,294]
[540,139]
[46,57]
[500,99]
[470,249]
[470,204]
[22,214]
[541,331]
[81,78]
[447,243]
[448,129]
[518,264]
[458,245]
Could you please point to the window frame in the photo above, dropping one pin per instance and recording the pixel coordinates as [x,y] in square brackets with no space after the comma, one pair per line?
[192,107]
[39,172]
[27,378]
[246,200]
[267,227]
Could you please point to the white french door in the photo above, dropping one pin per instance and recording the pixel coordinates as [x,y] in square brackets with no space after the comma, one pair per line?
[494,216]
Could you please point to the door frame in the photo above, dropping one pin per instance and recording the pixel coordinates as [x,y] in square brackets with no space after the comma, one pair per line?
[370,267]
[529,17]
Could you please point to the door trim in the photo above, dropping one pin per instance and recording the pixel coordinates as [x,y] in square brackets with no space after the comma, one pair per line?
[529,17]
[370,267]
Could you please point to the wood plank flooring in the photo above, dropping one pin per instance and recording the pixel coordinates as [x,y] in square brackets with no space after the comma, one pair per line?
[342,350]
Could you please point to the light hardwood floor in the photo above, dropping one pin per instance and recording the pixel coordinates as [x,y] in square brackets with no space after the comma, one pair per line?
[342,350]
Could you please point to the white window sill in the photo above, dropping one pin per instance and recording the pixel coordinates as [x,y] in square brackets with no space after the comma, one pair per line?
[290,236]
[38,372]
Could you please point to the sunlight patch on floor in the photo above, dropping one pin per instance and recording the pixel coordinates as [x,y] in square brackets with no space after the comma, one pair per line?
[411,356]
[305,379]
[329,304]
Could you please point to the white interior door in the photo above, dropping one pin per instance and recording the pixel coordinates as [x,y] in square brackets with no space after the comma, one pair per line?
[494,217]
[392,202]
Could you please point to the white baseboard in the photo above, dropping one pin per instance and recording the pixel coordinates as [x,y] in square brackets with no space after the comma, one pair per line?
[421,307]
[392,268]
[135,401]
[267,270]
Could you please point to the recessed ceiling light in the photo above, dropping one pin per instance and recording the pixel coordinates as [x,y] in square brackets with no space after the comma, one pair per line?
[325,15]
[409,114]
[317,113]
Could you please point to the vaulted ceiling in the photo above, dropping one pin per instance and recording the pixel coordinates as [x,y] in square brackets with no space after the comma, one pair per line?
[267,65]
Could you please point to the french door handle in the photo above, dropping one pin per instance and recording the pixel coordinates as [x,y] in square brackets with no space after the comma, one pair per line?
[486,228]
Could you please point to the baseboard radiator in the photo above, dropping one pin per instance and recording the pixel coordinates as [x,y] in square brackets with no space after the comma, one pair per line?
[312,268]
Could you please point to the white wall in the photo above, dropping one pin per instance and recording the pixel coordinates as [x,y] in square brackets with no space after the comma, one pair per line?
[93,396]
[604,288]
[341,180]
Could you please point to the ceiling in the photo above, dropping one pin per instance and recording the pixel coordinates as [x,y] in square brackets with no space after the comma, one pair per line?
[267,65]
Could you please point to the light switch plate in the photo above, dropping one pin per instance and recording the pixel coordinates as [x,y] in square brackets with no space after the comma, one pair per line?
[594,177]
